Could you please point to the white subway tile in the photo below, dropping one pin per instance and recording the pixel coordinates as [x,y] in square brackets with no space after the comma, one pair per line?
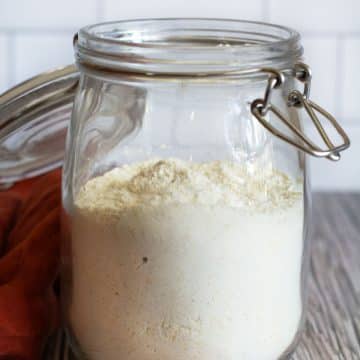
[37,53]
[183,8]
[351,80]
[317,15]
[343,175]
[197,124]
[4,76]
[71,14]
[320,54]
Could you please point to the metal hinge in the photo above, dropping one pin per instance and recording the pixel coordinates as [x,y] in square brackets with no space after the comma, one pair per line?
[261,107]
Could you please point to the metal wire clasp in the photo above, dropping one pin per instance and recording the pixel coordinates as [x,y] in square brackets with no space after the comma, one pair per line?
[260,107]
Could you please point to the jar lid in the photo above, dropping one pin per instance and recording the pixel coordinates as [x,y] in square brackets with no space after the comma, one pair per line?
[34,117]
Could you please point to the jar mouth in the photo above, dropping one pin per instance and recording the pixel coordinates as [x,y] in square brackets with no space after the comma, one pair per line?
[186,46]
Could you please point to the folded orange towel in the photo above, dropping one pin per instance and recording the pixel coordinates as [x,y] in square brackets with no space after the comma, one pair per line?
[29,261]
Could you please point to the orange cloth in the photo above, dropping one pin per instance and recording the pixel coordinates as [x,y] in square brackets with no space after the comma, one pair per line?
[29,261]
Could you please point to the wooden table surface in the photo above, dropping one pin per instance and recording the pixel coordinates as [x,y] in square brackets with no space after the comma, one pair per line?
[332,329]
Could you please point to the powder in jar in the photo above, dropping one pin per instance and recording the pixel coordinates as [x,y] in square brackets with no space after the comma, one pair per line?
[180,260]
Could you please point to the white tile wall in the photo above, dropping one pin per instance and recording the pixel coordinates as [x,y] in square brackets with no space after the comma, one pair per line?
[351,74]
[35,53]
[321,54]
[177,8]
[343,175]
[330,16]
[36,35]
[43,14]
[4,63]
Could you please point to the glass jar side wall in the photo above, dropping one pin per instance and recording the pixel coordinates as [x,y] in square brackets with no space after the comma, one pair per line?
[121,123]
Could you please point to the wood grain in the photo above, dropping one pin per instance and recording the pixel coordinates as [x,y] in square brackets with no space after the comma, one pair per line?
[332,328]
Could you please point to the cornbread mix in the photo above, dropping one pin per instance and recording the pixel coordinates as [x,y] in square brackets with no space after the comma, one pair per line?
[179,260]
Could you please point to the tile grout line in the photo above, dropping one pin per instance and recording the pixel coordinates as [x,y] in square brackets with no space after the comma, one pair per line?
[100,17]
[339,76]
[265,7]
[11,58]
[100,10]
[39,30]
[330,33]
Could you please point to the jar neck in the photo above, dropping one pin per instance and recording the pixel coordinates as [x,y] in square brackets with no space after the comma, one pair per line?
[186,46]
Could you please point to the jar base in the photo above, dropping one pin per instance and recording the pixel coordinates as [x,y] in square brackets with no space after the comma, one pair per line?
[74,351]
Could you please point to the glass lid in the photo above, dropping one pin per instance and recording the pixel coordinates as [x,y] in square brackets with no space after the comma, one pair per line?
[34,117]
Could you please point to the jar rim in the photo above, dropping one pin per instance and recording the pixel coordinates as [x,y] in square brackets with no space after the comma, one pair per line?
[186,45]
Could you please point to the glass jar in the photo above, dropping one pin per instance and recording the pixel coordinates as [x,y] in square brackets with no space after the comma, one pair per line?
[185,211]
[140,201]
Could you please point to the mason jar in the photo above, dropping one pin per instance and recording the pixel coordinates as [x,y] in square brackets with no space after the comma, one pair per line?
[185,186]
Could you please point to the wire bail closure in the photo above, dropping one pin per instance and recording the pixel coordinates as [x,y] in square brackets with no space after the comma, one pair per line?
[261,107]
